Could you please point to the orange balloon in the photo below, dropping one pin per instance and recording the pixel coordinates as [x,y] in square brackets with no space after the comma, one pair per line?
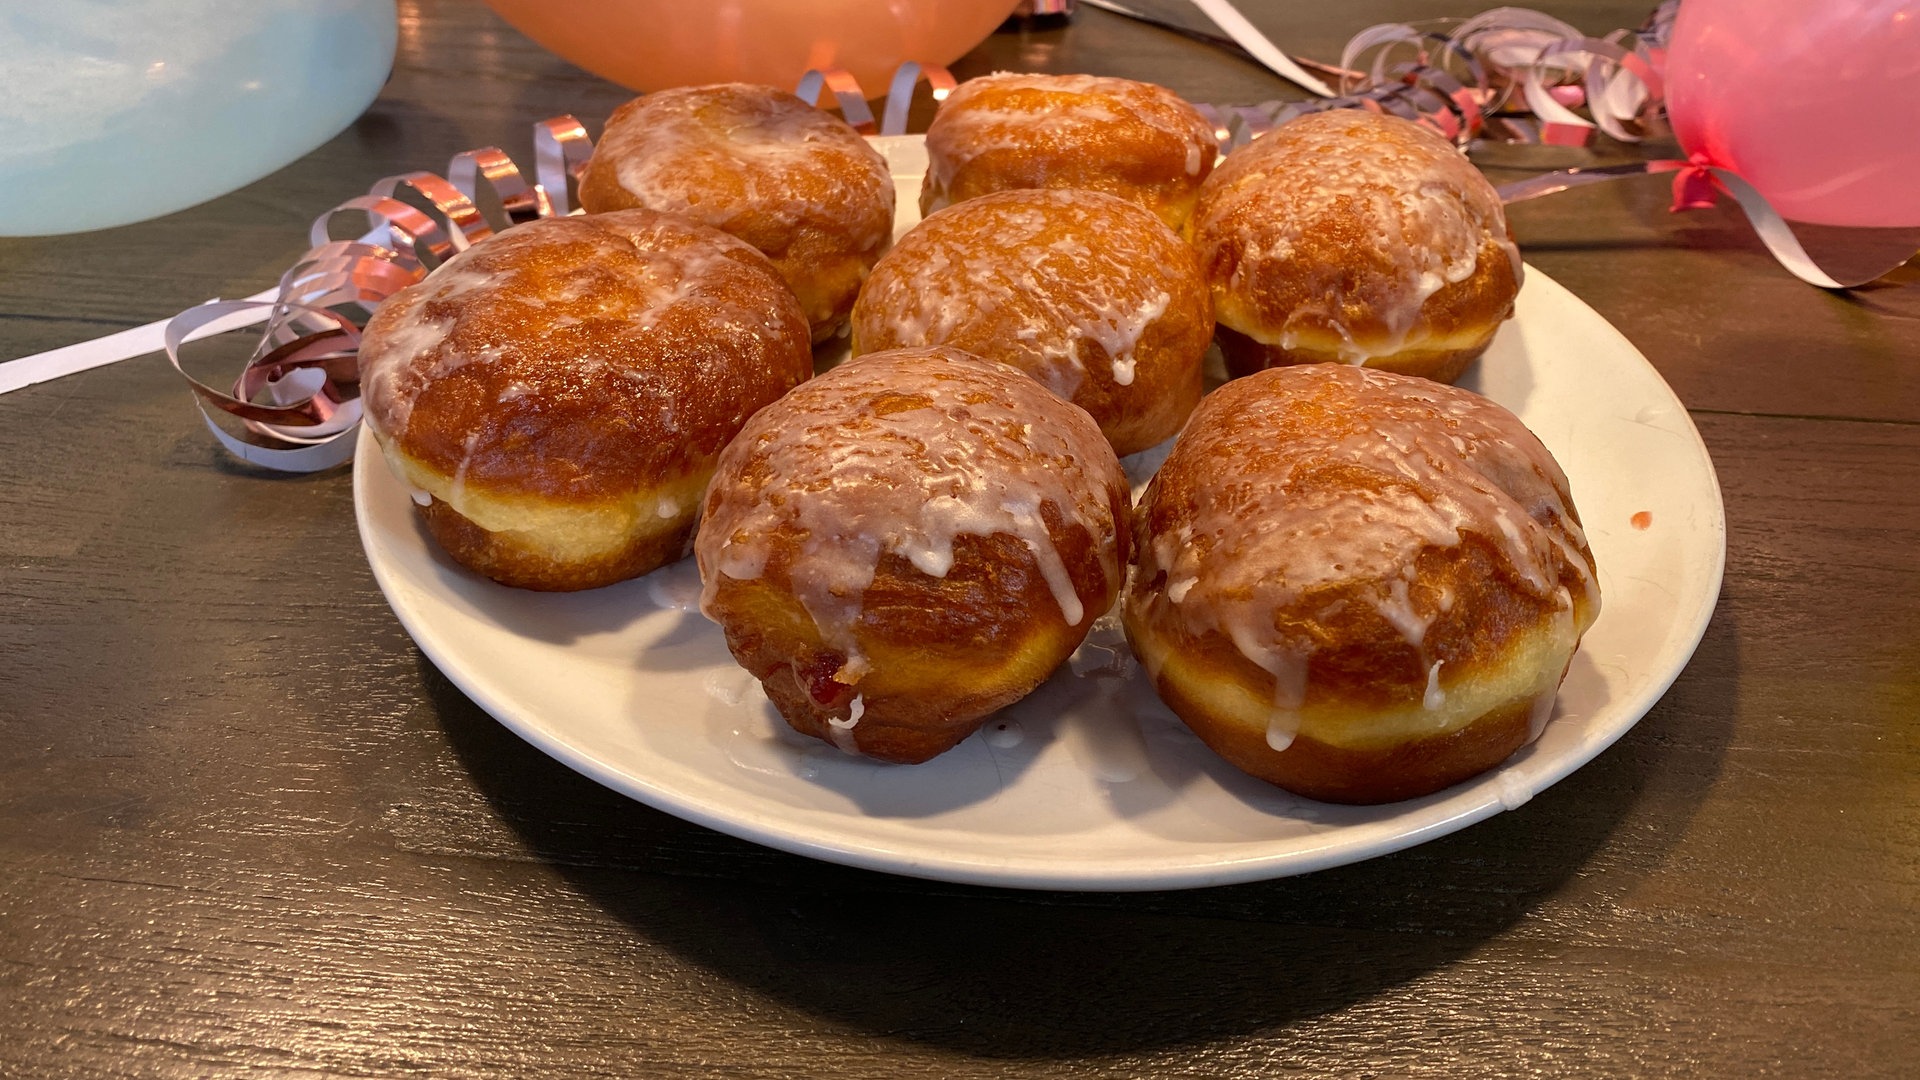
[653,44]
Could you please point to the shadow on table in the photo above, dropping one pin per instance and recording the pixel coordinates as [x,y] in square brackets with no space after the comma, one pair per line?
[1010,974]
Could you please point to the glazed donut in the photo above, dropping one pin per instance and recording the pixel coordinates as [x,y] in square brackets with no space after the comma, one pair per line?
[555,396]
[908,543]
[797,183]
[1088,293]
[1135,140]
[1348,236]
[1358,585]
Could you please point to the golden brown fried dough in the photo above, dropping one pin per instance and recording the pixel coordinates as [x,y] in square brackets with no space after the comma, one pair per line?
[797,183]
[1135,140]
[1351,237]
[556,395]
[1357,585]
[908,543]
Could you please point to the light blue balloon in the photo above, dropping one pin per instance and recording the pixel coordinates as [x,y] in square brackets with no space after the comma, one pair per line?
[114,111]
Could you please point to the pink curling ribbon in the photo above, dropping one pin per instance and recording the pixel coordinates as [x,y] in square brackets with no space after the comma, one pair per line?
[295,405]
[1506,75]
[1518,76]
[1696,183]
[297,397]
[1787,106]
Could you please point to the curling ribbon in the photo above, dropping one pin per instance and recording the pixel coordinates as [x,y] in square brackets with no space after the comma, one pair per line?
[1249,37]
[319,364]
[297,397]
[1460,80]
[906,79]
[1695,184]
[415,222]
[846,91]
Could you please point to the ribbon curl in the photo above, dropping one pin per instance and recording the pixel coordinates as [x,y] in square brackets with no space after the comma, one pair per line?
[1517,76]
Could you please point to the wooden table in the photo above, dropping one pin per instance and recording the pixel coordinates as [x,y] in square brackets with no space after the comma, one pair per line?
[246,828]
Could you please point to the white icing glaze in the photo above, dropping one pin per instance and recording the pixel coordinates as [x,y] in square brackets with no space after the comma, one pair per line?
[1003,732]
[902,453]
[1104,653]
[855,711]
[1032,278]
[1283,726]
[730,686]
[675,587]
[1419,463]
[1435,698]
[842,736]
[1398,609]
[1422,210]
[1513,789]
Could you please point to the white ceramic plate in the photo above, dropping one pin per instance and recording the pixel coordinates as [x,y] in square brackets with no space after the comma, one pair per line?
[1089,783]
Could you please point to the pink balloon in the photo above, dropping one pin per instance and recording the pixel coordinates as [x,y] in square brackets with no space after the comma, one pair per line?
[1816,103]
[652,44]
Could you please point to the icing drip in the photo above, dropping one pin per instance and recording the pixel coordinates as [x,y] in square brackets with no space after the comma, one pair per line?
[674,587]
[1004,733]
[1435,698]
[1512,789]
[902,453]
[842,736]
[1104,653]
[1283,726]
[1031,528]
[854,711]
[730,686]
[1397,607]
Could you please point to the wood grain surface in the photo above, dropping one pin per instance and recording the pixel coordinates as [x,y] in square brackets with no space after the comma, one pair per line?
[246,829]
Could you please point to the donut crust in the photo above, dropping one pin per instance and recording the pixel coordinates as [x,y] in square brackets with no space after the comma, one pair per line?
[909,543]
[1076,288]
[797,183]
[1352,237]
[1134,140]
[1360,586]
[556,395]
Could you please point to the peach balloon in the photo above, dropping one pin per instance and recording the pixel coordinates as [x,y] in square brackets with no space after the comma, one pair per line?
[653,44]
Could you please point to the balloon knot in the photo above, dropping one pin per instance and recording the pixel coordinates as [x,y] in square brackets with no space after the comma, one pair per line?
[1694,187]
